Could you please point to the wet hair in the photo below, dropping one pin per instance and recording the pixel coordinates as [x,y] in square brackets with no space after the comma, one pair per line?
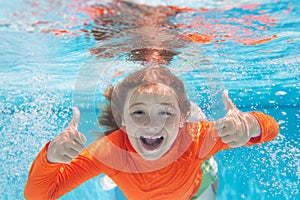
[110,116]
[152,55]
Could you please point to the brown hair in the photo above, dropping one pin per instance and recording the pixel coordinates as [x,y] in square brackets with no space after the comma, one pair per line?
[111,118]
[152,55]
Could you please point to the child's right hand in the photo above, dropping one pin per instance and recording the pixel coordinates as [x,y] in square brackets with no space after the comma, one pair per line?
[68,144]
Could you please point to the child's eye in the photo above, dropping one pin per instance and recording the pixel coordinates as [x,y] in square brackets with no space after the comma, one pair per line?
[165,113]
[138,113]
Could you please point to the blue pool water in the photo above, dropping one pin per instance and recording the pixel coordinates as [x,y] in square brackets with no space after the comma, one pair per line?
[250,47]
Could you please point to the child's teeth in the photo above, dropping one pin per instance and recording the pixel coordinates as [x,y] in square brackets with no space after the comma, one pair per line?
[151,137]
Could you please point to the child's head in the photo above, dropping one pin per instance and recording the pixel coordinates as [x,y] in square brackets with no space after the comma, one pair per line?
[149,104]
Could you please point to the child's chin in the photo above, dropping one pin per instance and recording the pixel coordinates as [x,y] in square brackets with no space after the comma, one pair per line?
[151,156]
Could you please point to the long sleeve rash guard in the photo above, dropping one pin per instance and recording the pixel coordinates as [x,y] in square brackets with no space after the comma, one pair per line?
[176,175]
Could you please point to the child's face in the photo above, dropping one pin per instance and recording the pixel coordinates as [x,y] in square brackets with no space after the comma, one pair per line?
[151,118]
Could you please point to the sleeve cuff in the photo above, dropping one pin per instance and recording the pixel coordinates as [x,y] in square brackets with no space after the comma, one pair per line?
[256,139]
[43,158]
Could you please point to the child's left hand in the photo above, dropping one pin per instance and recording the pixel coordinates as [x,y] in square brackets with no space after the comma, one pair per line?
[237,127]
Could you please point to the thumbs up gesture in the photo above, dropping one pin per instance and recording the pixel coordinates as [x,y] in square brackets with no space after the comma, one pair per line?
[237,127]
[68,144]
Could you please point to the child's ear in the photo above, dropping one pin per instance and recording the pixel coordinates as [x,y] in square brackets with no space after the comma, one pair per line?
[122,125]
[183,119]
[123,122]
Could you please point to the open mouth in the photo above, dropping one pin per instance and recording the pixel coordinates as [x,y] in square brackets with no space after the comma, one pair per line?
[152,142]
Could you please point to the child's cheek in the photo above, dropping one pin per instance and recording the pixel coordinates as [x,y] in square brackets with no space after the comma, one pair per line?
[131,130]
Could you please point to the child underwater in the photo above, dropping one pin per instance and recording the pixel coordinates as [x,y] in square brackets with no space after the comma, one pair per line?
[154,153]
[209,184]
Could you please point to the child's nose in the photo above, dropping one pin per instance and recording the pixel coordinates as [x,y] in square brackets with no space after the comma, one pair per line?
[154,124]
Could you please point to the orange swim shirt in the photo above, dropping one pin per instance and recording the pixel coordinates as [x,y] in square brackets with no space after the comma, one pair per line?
[176,175]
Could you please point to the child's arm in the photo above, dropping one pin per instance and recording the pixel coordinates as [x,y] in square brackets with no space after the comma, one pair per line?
[58,168]
[51,180]
[268,128]
[236,129]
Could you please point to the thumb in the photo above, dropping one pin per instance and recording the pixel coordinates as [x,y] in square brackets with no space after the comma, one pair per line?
[76,117]
[227,101]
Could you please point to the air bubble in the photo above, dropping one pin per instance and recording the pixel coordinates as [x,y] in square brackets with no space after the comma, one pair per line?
[280,93]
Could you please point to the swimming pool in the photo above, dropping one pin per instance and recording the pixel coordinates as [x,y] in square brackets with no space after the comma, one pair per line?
[249,47]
